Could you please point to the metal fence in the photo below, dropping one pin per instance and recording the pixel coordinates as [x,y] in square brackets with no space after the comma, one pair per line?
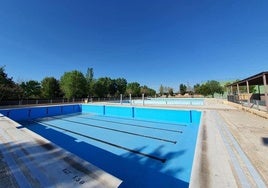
[36,102]
[10,103]
[252,103]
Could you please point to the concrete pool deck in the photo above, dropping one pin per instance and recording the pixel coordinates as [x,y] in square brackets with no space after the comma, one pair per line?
[232,148]
[28,160]
[231,152]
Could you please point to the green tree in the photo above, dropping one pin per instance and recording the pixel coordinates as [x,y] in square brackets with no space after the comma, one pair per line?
[121,86]
[73,84]
[204,90]
[147,91]
[210,88]
[31,89]
[8,88]
[50,88]
[170,91]
[89,75]
[166,88]
[197,88]
[161,90]
[215,87]
[133,88]
[151,92]
[112,87]
[144,90]
[183,89]
[102,87]
[90,81]
[117,86]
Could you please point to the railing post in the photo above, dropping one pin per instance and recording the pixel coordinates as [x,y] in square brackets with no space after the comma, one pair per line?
[265,91]
[248,94]
[257,102]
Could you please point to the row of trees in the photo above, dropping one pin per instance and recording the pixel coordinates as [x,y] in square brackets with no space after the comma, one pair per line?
[212,87]
[207,89]
[73,84]
[164,90]
[7,86]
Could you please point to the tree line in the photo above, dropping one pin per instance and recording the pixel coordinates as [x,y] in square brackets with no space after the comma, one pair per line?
[206,89]
[72,84]
[75,84]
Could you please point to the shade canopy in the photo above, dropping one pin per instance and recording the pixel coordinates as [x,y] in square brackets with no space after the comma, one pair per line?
[252,80]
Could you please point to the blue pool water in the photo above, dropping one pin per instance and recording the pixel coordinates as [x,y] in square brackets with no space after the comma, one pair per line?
[145,147]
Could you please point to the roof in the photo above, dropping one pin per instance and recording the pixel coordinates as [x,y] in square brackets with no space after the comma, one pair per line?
[256,79]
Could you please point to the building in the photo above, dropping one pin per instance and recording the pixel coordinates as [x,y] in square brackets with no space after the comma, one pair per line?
[239,92]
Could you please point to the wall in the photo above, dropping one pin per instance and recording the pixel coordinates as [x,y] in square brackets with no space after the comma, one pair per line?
[157,114]
[27,113]
[152,114]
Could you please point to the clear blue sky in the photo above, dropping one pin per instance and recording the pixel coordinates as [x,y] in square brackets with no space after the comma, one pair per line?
[154,42]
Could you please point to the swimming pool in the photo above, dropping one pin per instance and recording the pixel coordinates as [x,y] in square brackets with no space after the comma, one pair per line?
[145,147]
[170,101]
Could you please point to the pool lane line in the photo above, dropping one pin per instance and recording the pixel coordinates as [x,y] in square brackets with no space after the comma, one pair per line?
[105,142]
[134,125]
[116,130]
[182,125]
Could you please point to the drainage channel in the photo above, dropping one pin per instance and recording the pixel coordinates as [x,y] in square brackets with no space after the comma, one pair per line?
[236,152]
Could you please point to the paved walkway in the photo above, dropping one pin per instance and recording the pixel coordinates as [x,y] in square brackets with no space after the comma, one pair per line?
[232,149]
[28,160]
[251,133]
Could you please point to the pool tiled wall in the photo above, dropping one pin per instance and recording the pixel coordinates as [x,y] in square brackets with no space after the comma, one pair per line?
[22,114]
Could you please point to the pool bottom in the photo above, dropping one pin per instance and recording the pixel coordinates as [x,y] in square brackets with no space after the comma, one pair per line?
[135,169]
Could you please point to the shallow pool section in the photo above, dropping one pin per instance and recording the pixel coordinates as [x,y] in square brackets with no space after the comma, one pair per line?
[145,147]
